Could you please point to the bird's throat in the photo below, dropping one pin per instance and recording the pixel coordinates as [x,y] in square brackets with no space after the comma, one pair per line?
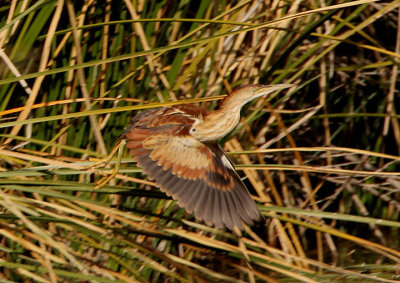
[216,124]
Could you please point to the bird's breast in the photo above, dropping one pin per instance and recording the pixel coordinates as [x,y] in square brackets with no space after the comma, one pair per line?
[216,125]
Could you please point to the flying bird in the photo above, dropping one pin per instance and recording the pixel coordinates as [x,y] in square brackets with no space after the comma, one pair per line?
[177,147]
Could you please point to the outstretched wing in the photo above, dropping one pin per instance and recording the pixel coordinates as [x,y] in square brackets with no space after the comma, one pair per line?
[199,176]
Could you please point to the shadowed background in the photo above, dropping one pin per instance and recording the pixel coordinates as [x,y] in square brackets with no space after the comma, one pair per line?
[321,160]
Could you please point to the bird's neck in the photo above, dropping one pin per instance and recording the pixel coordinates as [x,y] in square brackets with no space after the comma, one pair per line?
[217,124]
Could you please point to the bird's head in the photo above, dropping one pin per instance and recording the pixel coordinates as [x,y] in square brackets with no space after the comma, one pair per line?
[219,123]
[243,94]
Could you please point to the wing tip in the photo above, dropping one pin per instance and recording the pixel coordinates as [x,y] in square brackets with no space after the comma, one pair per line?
[230,209]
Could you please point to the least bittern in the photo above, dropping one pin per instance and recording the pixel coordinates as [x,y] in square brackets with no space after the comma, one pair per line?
[177,147]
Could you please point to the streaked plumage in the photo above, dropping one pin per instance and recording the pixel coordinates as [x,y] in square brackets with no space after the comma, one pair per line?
[176,146]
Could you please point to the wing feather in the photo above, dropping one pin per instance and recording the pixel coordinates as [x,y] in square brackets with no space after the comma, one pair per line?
[199,201]
[196,196]
[218,209]
[206,211]
[225,211]
[184,193]
[241,208]
[198,175]
[237,220]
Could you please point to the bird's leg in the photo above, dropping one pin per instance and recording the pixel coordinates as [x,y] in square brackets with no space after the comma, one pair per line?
[103,181]
[105,160]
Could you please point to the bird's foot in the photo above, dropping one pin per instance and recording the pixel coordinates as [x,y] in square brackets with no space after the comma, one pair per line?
[106,179]
[104,161]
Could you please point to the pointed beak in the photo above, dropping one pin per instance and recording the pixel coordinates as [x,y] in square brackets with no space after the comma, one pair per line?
[266,89]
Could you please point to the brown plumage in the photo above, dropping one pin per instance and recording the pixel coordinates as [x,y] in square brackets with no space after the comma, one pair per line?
[176,146]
